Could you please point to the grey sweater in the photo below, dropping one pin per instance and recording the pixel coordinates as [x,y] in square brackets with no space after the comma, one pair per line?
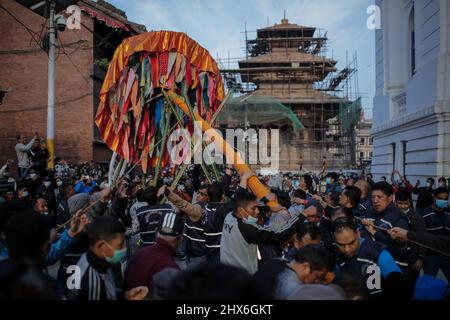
[23,161]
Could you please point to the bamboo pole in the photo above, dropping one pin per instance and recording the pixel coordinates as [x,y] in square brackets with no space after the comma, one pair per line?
[254,184]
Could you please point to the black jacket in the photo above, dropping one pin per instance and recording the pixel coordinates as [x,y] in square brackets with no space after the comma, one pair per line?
[438,242]
[417,224]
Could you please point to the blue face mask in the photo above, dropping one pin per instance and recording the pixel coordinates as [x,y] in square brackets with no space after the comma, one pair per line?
[251,220]
[118,256]
[441,204]
[328,180]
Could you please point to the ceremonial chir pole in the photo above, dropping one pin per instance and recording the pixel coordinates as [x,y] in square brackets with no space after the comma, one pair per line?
[146,70]
[254,184]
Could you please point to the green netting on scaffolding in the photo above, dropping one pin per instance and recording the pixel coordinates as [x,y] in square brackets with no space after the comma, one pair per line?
[350,114]
[257,111]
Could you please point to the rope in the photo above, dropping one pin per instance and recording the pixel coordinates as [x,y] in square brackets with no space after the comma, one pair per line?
[411,241]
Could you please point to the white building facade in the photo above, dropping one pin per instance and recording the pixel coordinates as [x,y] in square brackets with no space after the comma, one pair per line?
[411,130]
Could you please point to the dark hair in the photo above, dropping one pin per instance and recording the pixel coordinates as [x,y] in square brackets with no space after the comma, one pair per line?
[140,195]
[332,175]
[21,185]
[64,189]
[335,198]
[442,179]
[353,194]
[283,198]
[308,181]
[384,187]
[299,194]
[35,200]
[352,283]
[403,195]
[104,228]
[383,178]
[424,199]
[347,212]
[431,180]
[150,195]
[439,191]
[308,228]
[26,235]
[316,255]
[344,223]
[242,198]
[215,281]
[215,192]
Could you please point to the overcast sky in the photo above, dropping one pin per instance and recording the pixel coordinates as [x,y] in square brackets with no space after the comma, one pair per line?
[218,25]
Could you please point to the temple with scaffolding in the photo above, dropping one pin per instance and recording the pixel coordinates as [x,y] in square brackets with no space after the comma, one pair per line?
[287,63]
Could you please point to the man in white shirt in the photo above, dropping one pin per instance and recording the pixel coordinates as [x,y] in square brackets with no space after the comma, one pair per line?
[23,160]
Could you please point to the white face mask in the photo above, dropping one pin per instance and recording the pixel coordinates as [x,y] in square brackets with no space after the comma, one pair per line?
[25,194]
[441,185]
[33,175]
[45,213]
[59,183]
[47,184]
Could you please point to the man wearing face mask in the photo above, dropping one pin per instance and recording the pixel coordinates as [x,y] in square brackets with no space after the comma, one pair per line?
[416,254]
[332,183]
[437,220]
[241,233]
[21,200]
[101,277]
[46,191]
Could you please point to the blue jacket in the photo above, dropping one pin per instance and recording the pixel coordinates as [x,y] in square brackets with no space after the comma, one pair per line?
[364,206]
[59,248]
[390,218]
[81,188]
[369,253]
[436,222]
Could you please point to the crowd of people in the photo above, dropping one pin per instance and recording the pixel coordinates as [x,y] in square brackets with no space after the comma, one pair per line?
[314,237]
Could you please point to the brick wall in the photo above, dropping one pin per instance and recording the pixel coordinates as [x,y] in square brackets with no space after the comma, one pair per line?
[24,67]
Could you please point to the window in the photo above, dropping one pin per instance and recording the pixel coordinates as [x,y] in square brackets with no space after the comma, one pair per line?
[361,155]
[371,155]
[362,141]
[393,157]
[371,141]
[404,145]
[412,42]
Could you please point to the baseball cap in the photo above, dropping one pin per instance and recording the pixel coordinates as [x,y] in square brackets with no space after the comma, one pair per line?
[171,224]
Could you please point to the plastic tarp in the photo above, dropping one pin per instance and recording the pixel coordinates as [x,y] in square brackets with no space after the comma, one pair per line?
[258,111]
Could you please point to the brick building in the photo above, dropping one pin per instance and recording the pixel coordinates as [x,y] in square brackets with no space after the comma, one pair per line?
[80,71]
